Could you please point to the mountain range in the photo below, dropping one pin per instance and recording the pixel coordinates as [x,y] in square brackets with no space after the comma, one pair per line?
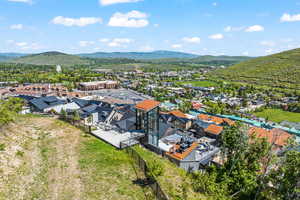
[55,58]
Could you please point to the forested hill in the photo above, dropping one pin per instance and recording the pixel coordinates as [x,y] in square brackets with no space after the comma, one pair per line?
[278,70]
[51,58]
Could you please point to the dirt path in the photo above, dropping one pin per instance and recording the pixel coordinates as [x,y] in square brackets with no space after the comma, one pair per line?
[66,169]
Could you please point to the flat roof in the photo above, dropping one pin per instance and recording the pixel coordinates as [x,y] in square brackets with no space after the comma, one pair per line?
[147,104]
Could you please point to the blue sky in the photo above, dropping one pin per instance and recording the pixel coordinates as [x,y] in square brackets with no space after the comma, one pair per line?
[216,27]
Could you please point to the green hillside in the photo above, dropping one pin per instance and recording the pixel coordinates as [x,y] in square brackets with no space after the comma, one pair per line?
[51,58]
[280,70]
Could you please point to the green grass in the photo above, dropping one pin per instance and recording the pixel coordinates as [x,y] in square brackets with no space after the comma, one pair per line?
[174,179]
[199,83]
[107,173]
[277,115]
[280,70]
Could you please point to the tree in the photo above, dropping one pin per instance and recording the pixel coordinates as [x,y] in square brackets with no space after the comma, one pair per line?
[63,114]
[75,116]
[286,177]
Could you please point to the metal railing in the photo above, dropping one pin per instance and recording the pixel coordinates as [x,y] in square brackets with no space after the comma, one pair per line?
[142,164]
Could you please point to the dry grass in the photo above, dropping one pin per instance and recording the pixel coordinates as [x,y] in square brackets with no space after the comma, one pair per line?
[43,158]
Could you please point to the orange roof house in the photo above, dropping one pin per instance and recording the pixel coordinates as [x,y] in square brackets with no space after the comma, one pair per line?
[147,105]
[217,120]
[181,156]
[204,117]
[214,129]
[229,122]
[277,137]
[178,113]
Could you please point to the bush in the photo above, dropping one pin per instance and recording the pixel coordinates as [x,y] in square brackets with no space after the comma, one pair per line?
[155,169]
[2,147]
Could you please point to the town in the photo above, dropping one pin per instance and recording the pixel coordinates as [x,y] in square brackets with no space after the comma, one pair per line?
[149,100]
[182,126]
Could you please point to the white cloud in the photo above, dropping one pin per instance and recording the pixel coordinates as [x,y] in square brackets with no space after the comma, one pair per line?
[120,42]
[269,51]
[290,18]
[26,45]
[218,36]
[255,28]
[147,48]
[231,29]
[16,27]
[104,40]
[133,19]
[214,3]
[156,25]
[267,43]
[246,53]
[22,1]
[10,41]
[195,40]
[21,44]
[110,2]
[286,40]
[176,46]
[82,21]
[86,43]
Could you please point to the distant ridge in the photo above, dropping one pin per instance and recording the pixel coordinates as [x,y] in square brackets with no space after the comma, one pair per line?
[50,58]
[140,55]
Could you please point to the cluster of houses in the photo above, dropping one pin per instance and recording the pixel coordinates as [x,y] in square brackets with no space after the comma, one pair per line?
[39,90]
[190,142]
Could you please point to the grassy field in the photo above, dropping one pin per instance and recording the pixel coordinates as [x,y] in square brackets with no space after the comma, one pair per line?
[174,178]
[44,158]
[280,70]
[199,83]
[277,115]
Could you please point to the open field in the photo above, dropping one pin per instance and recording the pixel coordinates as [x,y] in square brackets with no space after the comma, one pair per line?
[44,158]
[174,179]
[277,115]
[199,83]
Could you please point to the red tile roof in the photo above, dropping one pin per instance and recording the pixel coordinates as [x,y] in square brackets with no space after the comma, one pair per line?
[147,105]
[217,120]
[204,117]
[229,122]
[214,129]
[274,136]
[178,113]
[181,156]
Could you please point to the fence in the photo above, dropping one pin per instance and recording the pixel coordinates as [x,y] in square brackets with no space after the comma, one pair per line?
[160,195]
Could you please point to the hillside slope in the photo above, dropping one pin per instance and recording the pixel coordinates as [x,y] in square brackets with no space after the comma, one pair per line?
[278,70]
[44,158]
[51,58]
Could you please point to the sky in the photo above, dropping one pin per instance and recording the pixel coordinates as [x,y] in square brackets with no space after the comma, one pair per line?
[204,27]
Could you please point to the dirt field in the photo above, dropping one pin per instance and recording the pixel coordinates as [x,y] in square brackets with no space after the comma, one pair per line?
[43,158]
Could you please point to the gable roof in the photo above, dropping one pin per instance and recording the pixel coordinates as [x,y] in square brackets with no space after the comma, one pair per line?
[204,117]
[46,102]
[147,105]
[178,113]
[215,119]
[214,129]
[274,136]
[127,124]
